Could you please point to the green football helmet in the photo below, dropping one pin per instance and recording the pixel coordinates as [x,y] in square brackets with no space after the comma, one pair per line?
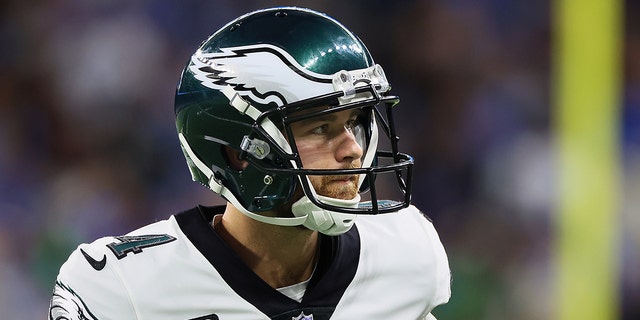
[250,80]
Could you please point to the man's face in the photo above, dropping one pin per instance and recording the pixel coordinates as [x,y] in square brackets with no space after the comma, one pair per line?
[329,142]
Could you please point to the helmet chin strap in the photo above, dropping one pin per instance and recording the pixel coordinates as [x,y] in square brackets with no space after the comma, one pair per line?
[326,221]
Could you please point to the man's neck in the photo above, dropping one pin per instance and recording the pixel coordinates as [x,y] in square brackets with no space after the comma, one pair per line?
[281,256]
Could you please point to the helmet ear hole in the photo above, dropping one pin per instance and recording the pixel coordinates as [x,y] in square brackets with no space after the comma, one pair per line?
[233,159]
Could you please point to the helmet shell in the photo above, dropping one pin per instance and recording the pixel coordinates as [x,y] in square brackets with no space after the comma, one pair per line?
[309,43]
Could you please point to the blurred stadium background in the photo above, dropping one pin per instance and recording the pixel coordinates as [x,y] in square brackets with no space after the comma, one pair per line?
[88,145]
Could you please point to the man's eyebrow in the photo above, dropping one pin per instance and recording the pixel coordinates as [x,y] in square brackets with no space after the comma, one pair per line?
[356,112]
[329,117]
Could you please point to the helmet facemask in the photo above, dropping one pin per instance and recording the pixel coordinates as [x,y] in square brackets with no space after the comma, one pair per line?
[335,215]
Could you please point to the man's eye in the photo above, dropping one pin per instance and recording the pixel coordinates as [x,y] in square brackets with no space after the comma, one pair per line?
[352,125]
[321,129]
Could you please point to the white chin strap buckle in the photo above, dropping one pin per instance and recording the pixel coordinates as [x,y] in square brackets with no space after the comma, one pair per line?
[326,221]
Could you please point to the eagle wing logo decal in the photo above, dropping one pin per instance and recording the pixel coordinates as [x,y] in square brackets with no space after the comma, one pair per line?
[262,73]
[67,305]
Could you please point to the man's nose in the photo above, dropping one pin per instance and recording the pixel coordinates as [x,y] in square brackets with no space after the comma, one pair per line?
[348,149]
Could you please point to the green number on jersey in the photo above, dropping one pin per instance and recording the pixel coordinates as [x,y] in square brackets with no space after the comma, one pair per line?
[135,244]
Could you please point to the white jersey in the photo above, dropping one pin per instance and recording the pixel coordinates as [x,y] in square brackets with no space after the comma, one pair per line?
[389,266]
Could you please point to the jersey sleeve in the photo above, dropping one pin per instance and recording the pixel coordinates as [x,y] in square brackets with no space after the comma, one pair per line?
[87,287]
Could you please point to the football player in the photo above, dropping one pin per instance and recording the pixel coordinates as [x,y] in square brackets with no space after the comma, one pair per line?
[280,112]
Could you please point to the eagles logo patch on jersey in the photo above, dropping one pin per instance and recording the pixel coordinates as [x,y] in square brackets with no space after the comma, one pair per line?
[67,305]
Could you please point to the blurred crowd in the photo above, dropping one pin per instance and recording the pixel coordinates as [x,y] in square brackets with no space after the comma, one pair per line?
[88,146]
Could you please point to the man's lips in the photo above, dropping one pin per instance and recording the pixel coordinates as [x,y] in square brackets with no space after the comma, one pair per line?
[343,179]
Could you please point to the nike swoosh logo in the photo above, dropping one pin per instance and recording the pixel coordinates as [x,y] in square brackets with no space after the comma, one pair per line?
[98,265]
[212,316]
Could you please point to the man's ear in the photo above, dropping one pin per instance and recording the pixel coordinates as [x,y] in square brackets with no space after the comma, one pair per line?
[234,160]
